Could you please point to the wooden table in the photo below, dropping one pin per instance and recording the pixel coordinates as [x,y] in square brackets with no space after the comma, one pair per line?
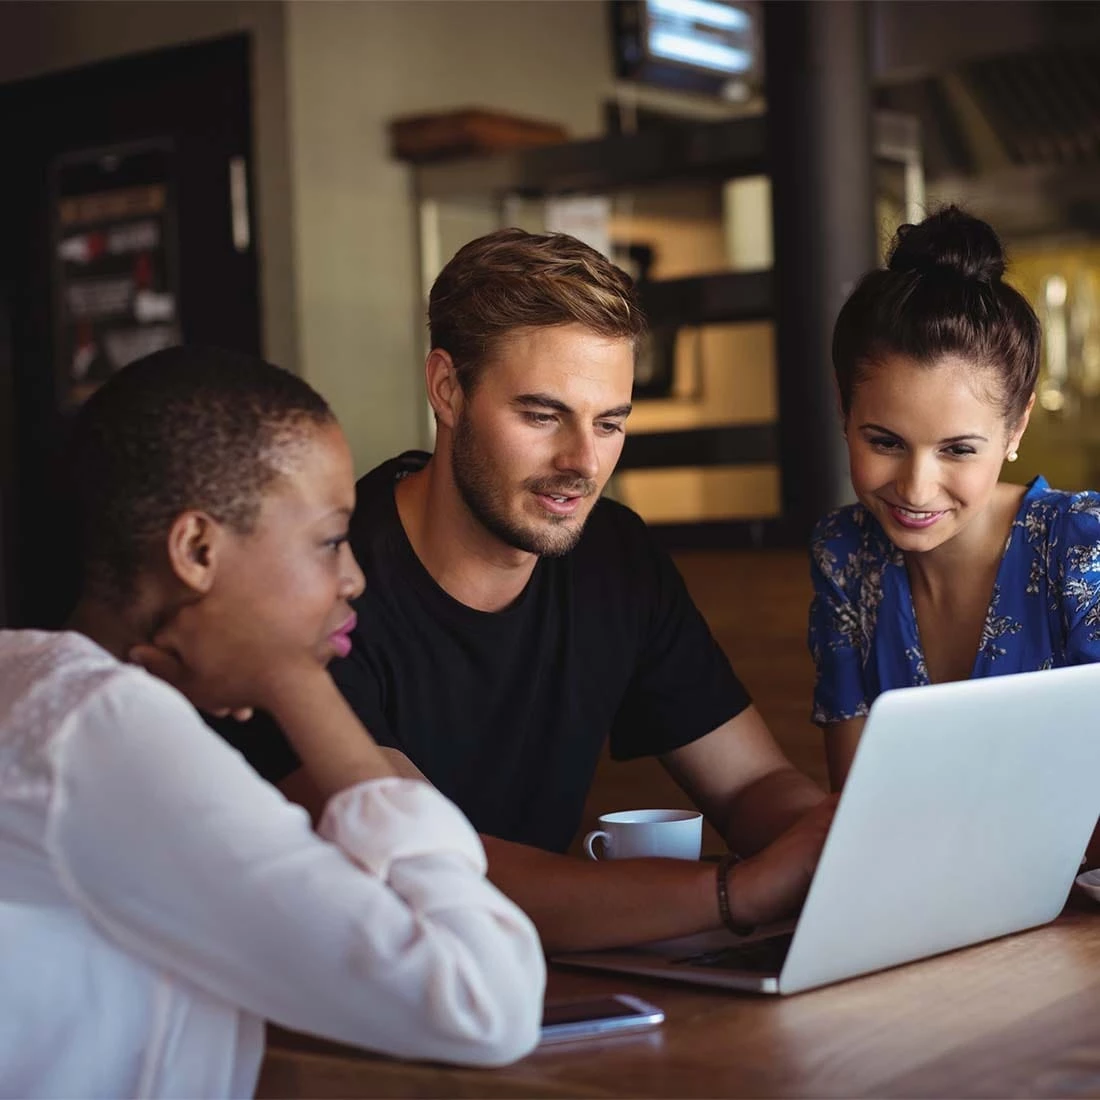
[1016,1017]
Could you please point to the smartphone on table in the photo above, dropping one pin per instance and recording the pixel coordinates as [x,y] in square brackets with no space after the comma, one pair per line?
[616,1014]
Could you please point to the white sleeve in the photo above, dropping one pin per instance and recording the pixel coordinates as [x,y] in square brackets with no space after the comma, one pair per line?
[386,935]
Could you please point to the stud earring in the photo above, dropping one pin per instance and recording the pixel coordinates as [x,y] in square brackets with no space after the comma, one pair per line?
[1012,456]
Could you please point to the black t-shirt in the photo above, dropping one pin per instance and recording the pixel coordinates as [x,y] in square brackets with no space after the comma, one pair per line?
[507,712]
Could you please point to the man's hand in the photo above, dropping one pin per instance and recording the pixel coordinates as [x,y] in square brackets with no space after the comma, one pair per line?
[772,885]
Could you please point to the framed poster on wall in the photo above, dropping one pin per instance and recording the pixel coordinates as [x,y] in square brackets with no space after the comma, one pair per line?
[115,262]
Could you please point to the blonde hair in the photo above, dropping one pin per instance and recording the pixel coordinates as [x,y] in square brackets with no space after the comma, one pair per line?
[512,279]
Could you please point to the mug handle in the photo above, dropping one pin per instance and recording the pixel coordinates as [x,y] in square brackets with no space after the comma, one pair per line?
[590,840]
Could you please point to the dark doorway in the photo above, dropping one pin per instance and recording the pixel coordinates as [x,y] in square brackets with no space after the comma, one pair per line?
[125,225]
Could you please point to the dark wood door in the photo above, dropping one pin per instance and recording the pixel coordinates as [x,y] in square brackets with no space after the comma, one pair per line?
[124,225]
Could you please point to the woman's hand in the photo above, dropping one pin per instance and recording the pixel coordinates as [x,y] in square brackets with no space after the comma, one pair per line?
[223,675]
[167,664]
[219,673]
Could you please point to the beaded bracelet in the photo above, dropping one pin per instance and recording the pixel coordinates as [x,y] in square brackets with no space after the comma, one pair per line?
[724,865]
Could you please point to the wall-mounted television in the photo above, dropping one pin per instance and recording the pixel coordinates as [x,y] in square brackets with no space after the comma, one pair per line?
[709,46]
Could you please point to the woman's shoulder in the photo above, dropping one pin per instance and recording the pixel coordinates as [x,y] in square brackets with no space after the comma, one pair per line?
[1053,517]
[850,553]
[57,668]
[847,532]
[842,524]
[46,676]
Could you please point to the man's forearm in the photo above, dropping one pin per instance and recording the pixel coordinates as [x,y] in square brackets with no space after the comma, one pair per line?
[768,807]
[585,904]
[579,905]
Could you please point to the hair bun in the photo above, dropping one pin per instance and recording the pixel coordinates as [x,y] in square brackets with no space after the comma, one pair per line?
[949,241]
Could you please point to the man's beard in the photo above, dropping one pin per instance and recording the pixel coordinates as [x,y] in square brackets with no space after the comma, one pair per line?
[474,477]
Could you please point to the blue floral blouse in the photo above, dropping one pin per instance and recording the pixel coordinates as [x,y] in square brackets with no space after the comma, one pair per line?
[1045,610]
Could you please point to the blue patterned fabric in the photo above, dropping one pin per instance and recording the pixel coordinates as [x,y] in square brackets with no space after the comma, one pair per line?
[1045,610]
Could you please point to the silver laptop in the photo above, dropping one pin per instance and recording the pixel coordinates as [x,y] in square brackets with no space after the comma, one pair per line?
[965,816]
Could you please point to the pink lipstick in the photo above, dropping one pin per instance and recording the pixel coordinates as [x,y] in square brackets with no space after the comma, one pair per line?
[340,638]
[912,519]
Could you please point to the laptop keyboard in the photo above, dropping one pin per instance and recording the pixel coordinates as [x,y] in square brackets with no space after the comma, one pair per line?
[764,956]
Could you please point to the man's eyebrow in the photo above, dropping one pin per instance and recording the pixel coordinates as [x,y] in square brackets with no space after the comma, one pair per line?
[545,401]
[541,401]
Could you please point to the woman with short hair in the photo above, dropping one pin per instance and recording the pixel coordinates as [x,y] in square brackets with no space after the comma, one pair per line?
[158,900]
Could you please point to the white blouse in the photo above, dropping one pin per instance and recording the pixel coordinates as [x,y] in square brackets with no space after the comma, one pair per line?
[158,900]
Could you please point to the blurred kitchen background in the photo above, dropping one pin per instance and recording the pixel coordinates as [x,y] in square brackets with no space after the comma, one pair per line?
[288,177]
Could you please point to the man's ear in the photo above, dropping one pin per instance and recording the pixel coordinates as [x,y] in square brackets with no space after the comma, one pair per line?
[194,545]
[444,389]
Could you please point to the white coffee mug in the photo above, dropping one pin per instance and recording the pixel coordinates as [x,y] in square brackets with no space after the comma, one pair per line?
[633,834]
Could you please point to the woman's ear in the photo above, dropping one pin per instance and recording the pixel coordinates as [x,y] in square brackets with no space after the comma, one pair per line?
[444,389]
[194,544]
[1017,432]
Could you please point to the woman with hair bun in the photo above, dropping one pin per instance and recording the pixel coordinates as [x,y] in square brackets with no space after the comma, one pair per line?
[942,571]
[158,899]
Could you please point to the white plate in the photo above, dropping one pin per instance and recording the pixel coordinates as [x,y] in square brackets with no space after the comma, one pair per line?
[1090,883]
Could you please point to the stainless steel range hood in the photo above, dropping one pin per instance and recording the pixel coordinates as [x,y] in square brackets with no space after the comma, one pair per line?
[1008,97]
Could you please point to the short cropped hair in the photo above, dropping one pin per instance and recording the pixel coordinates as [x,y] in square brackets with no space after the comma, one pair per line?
[184,428]
[942,293]
[512,279]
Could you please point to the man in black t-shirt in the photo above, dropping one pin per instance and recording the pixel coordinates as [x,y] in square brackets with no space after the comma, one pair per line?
[513,621]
